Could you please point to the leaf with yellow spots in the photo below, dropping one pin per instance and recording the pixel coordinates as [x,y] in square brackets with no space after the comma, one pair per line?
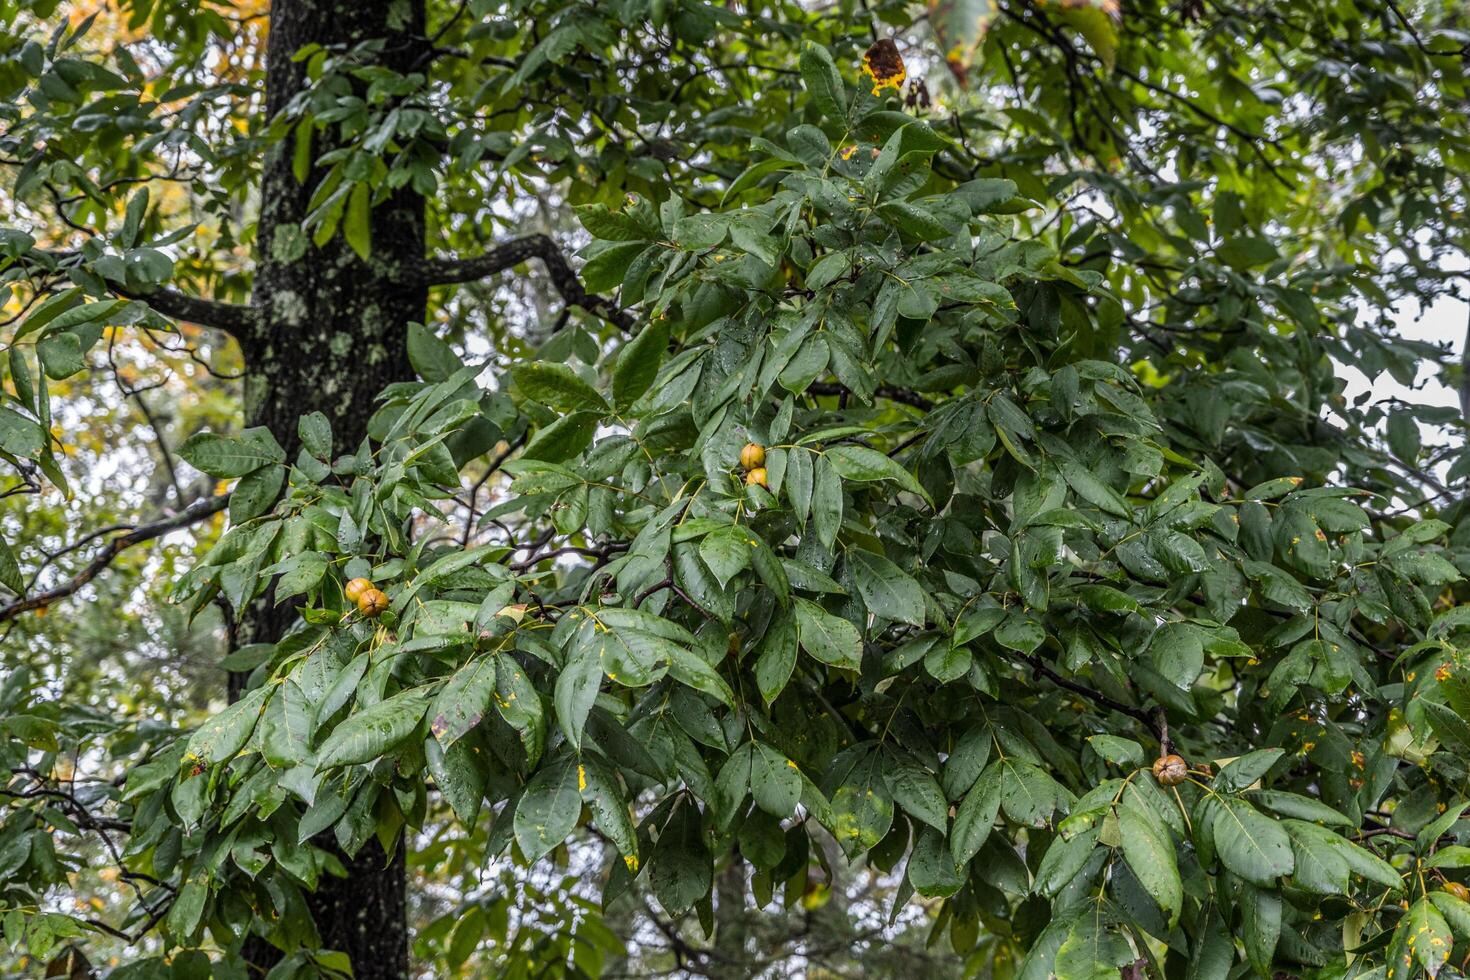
[548,810]
[605,797]
[462,701]
[960,27]
[883,65]
[225,734]
[1426,936]
[520,705]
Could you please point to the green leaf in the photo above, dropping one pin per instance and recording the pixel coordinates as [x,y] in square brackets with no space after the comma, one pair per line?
[632,657]
[357,222]
[303,573]
[948,662]
[932,869]
[225,734]
[432,358]
[1316,852]
[519,705]
[1241,773]
[562,439]
[967,761]
[826,500]
[862,806]
[1105,598]
[698,232]
[1094,950]
[61,355]
[638,363]
[1369,865]
[823,82]
[462,701]
[887,590]
[547,812]
[1252,846]
[227,457]
[1093,490]
[1278,586]
[611,225]
[286,727]
[976,815]
[861,464]
[256,492]
[1150,854]
[691,671]
[1028,795]
[187,908]
[19,435]
[1118,751]
[609,805]
[1261,925]
[777,658]
[773,780]
[11,578]
[680,869]
[1064,859]
[556,385]
[1301,807]
[830,639]
[1244,252]
[1403,435]
[726,551]
[457,776]
[605,270]
[1453,856]
[315,430]
[1021,633]
[1455,911]
[916,790]
[368,734]
[576,689]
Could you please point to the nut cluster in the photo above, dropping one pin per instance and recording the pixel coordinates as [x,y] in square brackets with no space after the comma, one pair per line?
[753,461]
[370,600]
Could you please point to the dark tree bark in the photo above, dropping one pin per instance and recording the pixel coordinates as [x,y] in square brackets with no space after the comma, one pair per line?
[329,332]
[730,959]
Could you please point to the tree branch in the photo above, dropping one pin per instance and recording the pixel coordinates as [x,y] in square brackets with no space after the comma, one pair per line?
[193,514]
[893,394]
[1098,697]
[232,318]
[443,272]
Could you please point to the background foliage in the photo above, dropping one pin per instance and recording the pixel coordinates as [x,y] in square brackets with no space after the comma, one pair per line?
[1044,342]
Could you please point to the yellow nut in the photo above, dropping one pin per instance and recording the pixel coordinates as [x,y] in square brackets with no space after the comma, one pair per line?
[356,588]
[756,477]
[753,456]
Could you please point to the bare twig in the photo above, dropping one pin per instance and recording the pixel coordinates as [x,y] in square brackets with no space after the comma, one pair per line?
[193,514]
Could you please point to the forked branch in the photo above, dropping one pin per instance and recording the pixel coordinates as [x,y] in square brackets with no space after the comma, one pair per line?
[443,272]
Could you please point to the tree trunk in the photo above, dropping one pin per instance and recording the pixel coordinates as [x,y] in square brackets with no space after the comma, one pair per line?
[729,962]
[331,334]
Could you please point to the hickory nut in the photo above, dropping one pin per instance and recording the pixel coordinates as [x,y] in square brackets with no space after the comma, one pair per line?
[356,588]
[1170,770]
[372,602]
